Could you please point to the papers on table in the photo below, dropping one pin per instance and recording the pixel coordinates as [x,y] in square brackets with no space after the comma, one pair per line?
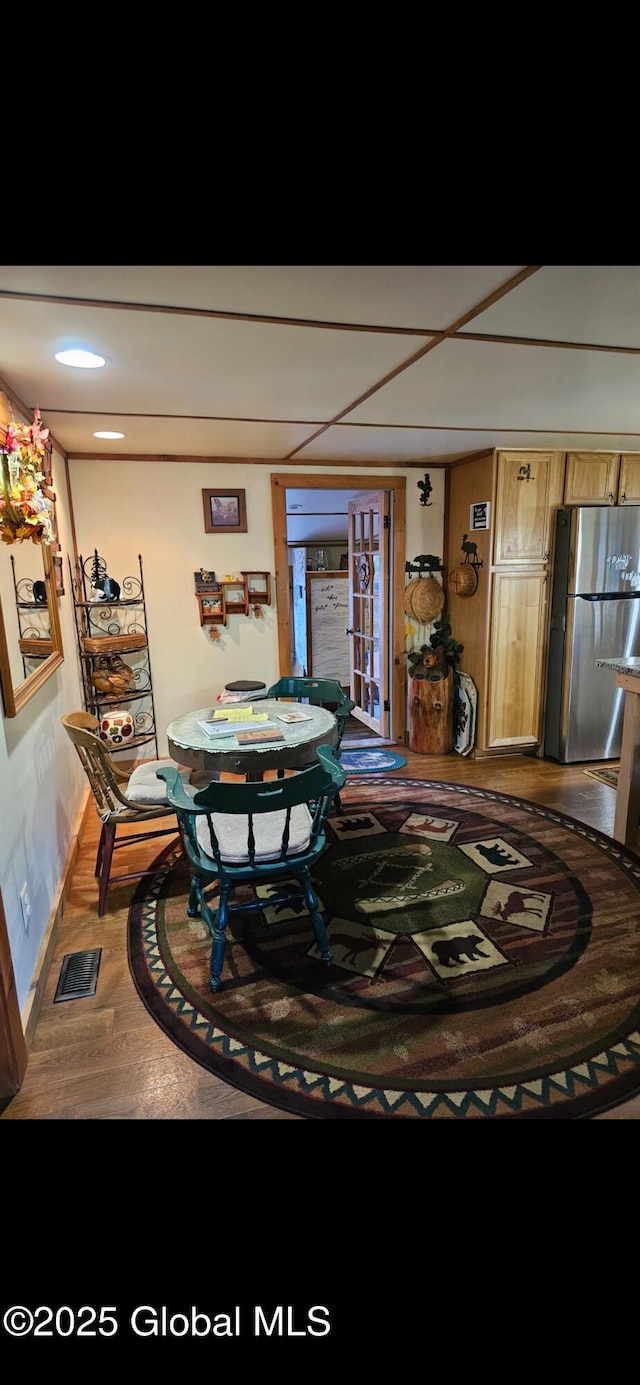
[215,729]
[239,714]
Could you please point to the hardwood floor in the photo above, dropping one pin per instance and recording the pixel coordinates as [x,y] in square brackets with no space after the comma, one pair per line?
[104,1058]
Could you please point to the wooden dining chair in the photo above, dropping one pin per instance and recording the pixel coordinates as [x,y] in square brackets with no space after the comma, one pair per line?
[320,692]
[120,798]
[254,833]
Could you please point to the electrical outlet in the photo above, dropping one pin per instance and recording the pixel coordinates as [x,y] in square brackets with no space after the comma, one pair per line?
[25,905]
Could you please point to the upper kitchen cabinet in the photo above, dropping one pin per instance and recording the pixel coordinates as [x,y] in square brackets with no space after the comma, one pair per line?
[602,478]
[528,492]
[629,480]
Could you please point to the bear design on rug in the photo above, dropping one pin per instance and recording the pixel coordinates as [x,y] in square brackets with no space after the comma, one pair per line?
[497,856]
[450,951]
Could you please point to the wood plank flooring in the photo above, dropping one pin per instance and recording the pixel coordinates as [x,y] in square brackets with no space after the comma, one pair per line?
[104,1058]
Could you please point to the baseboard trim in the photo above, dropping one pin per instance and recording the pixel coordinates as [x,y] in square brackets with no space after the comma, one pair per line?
[33,1002]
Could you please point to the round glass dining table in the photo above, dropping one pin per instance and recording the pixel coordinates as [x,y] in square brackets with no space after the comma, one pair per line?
[205,756]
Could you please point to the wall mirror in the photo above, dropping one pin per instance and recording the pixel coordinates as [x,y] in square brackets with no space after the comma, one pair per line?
[30,635]
[23,667]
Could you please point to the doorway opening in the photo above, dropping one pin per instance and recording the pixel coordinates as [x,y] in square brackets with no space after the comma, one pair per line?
[314,554]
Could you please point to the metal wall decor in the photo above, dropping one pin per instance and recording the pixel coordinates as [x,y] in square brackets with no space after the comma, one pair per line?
[425,562]
[425,489]
[524,473]
[463,580]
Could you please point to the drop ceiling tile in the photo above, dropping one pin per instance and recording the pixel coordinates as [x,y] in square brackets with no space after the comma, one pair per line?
[169,437]
[187,365]
[491,385]
[427,297]
[588,303]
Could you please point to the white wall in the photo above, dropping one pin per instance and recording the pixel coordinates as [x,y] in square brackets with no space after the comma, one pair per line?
[42,787]
[124,508]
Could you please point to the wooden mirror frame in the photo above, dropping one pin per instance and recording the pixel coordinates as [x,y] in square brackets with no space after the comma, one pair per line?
[15,698]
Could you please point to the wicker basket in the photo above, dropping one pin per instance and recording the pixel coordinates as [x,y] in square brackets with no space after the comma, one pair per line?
[113,644]
[408,595]
[463,580]
[31,646]
[427,600]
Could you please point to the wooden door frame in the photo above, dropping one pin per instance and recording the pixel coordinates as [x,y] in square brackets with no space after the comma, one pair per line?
[282,481]
[13,1048]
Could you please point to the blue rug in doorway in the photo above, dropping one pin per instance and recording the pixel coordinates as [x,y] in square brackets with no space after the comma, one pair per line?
[370,761]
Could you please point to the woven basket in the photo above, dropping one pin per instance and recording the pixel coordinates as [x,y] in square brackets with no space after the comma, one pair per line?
[463,580]
[408,594]
[427,600]
[113,644]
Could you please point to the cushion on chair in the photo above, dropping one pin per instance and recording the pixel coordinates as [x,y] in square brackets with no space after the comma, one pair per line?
[143,787]
[232,831]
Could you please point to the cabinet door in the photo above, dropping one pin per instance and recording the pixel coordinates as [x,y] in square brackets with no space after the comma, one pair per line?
[591,478]
[517,659]
[528,491]
[629,483]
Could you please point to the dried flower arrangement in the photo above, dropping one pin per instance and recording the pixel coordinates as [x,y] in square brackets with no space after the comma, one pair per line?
[26,503]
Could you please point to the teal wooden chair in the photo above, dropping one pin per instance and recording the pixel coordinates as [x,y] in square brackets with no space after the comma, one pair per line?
[320,692]
[255,833]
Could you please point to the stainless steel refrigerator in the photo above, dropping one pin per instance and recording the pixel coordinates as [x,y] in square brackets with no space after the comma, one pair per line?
[595,614]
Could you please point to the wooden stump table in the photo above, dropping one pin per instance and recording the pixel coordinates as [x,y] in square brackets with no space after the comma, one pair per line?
[430,714]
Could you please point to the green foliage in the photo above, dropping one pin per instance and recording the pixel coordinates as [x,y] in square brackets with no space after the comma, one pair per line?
[441,635]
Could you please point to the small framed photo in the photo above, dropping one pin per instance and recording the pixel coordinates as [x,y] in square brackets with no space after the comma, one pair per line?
[225,512]
[479,515]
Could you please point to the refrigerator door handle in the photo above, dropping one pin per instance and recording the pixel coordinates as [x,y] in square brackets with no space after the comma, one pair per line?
[609,596]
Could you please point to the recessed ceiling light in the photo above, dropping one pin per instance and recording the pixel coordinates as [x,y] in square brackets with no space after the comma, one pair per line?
[108,435]
[82,359]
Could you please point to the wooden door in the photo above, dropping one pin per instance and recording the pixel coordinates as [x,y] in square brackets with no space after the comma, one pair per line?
[591,478]
[368,628]
[528,491]
[629,483]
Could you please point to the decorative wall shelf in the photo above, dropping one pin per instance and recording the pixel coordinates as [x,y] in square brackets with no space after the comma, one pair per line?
[218,598]
[258,587]
[113,648]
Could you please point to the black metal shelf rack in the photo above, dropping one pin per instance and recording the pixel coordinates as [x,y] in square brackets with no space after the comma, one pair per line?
[109,629]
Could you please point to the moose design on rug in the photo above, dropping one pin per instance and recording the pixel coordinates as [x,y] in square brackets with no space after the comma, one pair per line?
[422,889]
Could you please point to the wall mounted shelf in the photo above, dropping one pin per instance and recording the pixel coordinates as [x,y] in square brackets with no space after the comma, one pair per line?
[218,598]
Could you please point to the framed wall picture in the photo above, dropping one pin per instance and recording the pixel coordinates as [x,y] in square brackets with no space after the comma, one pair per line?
[479,515]
[225,512]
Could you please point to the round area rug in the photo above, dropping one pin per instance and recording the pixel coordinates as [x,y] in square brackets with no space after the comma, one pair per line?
[370,761]
[486,964]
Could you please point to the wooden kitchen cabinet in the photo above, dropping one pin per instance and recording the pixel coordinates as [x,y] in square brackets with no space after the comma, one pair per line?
[503,626]
[602,478]
[529,488]
[517,659]
[629,479]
